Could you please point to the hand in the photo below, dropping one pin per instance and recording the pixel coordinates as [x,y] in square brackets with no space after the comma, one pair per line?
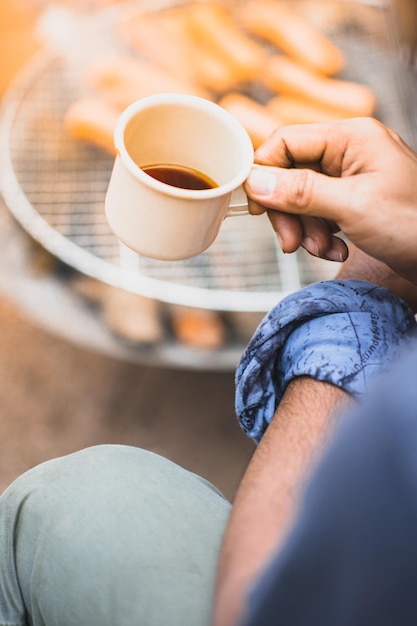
[355,175]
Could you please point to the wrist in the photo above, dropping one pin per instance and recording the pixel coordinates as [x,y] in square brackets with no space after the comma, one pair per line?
[346,333]
[361,266]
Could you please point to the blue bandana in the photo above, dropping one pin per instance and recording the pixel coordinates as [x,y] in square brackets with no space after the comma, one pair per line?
[344,332]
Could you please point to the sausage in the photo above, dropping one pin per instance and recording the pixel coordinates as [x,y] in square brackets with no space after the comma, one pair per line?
[293,110]
[288,77]
[156,37]
[94,121]
[122,80]
[284,26]
[199,328]
[254,117]
[132,317]
[168,40]
[214,28]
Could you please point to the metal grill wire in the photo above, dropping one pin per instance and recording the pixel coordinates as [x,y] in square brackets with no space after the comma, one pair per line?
[64,182]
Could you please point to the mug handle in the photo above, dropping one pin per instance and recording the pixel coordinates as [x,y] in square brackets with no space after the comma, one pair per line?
[238,203]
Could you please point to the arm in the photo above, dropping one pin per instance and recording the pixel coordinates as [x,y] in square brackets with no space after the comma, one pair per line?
[357,176]
[267,495]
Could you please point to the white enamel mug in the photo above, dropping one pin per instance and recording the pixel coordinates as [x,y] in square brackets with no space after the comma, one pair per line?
[159,220]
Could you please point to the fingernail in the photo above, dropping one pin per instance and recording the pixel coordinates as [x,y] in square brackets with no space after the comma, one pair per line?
[334,255]
[261,182]
[311,246]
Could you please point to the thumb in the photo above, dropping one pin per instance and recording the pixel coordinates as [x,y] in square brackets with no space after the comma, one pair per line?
[300,191]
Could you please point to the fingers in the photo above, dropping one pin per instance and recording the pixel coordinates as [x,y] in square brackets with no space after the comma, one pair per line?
[289,230]
[306,144]
[353,176]
[337,251]
[255,208]
[314,235]
[301,191]
[314,169]
[294,230]
[326,144]
[319,241]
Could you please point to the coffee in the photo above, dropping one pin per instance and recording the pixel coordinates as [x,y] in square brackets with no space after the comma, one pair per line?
[179,176]
[157,136]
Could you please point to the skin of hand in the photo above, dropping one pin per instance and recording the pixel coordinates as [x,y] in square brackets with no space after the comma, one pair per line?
[354,175]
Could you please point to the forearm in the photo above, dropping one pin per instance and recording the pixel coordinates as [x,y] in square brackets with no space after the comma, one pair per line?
[267,496]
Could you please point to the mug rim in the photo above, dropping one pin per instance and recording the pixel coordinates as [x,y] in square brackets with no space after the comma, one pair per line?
[167,98]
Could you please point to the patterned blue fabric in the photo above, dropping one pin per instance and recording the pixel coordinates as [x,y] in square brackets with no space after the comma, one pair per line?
[343,332]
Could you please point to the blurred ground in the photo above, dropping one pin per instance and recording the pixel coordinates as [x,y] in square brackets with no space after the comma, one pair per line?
[57,398]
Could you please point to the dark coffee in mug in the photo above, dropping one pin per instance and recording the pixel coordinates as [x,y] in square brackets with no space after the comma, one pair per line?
[180,176]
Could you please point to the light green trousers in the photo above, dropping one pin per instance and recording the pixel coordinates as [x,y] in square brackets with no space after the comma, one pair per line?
[111,535]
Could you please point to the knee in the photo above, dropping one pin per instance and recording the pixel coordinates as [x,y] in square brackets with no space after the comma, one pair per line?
[106,482]
[94,524]
[84,469]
